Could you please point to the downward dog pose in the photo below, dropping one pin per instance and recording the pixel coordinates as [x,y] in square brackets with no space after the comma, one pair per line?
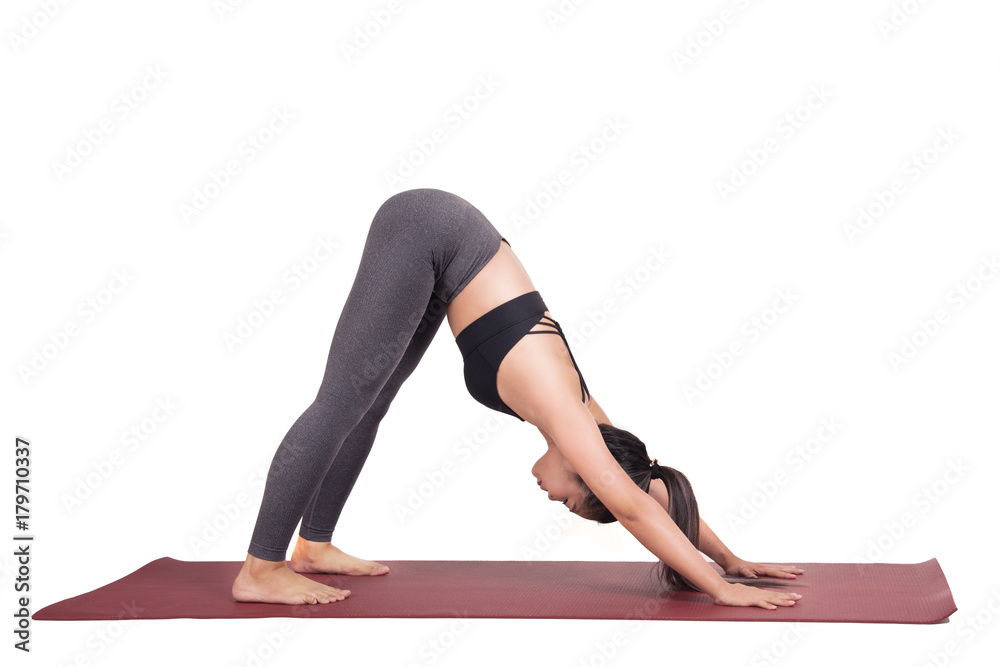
[431,254]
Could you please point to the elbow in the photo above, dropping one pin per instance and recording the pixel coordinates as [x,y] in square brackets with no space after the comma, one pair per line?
[632,510]
[627,502]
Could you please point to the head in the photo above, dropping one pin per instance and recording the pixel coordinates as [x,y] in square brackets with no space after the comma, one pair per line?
[558,478]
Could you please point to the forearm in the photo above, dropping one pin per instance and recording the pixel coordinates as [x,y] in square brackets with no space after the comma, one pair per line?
[654,528]
[710,545]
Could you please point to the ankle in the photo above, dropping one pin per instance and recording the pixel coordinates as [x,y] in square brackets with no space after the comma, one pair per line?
[304,547]
[256,566]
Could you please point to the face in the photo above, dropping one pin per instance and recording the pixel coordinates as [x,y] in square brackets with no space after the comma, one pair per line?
[555,476]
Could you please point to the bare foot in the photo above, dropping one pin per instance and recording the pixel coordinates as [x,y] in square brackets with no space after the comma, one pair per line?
[270,581]
[324,557]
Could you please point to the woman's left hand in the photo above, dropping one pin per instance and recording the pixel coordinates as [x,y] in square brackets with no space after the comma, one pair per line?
[743,568]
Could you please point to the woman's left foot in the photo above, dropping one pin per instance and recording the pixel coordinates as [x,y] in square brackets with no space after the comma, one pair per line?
[328,559]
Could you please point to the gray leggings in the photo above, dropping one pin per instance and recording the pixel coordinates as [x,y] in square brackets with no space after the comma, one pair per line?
[423,247]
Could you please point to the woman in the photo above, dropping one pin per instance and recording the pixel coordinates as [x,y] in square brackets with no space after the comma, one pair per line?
[429,254]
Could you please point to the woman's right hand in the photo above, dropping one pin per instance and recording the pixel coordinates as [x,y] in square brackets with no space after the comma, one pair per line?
[738,595]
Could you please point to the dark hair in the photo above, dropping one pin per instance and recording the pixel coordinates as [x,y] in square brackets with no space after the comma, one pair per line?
[630,452]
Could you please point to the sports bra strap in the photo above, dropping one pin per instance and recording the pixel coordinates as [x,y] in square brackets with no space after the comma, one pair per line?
[584,391]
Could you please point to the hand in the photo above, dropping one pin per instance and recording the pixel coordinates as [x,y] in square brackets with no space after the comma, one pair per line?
[743,568]
[738,595]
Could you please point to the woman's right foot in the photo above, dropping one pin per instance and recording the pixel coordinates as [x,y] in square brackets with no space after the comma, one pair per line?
[267,581]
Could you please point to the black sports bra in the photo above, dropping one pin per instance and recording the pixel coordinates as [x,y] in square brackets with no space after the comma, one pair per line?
[485,343]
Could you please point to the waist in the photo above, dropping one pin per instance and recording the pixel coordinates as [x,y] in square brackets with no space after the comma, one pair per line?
[493,321]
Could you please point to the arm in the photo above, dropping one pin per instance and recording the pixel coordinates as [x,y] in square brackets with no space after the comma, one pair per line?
[710,545]
[708,542]
[595,409]
[572,428]
[544,394]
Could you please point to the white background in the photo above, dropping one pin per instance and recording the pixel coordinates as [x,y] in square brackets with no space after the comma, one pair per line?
[684,129]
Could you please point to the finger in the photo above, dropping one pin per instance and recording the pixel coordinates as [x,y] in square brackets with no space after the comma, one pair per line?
[784,574]
[787,599]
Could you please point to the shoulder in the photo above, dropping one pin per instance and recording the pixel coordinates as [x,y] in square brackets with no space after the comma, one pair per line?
[537,379]
[571,428]
[557,416]
[578,438]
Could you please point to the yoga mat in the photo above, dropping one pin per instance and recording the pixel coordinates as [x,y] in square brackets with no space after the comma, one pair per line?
[832,593]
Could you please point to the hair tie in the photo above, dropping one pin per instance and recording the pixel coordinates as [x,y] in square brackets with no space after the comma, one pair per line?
[654,468]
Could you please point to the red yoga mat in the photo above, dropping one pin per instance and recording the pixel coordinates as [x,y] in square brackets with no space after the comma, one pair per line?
[831,593]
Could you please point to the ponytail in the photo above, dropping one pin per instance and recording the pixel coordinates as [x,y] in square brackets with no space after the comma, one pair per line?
[630,453]
[683,509]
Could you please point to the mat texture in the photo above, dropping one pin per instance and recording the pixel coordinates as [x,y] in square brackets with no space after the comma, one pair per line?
[831,592]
